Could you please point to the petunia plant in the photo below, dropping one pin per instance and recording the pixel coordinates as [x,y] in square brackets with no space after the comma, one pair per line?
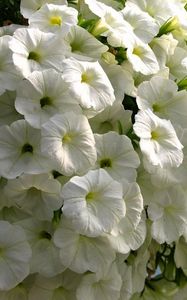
[93,151]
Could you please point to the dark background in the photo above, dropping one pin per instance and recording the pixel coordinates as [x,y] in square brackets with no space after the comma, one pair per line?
[10,12]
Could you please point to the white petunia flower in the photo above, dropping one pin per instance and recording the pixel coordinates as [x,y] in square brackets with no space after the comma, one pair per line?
[120,79]
[165,177]
[20,150]
[116,155]
[136,78]
[93,202]
[161,10]
[13,214]
[68,141]
[125,238]
[161,96]
[111,24]
[8,113]
[130,232]
[126,276]
[148,190]
[89,84]
[163,48]
[177,63]
[158,178]
[31,6]
[38,195]
[9,76]
[45,258]
[142,58]
[159,143]
[106,288]
[34,50]
[81,253]
[15,254]
[144,26]
[138,261]
[169,215]
[83,45]
[134,203]
[60,287]
[42,95]
[112,118]
[54,18]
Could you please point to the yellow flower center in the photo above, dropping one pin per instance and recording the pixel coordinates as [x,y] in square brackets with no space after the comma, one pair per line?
[45,235]
[27,148]
[156,107]
[56,20]
[67,138]
[77,45]
[106,163]
[84,78]
[154,135]
[87,77]
[89,196]
[34,56]
[45,101]
[137,51]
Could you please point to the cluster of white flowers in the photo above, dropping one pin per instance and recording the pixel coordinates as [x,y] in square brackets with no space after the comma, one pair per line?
[93,151]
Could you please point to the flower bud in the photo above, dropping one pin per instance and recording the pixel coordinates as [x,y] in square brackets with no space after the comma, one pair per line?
[170,25]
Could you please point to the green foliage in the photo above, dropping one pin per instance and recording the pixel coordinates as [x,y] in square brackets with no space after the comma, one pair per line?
[10,12]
